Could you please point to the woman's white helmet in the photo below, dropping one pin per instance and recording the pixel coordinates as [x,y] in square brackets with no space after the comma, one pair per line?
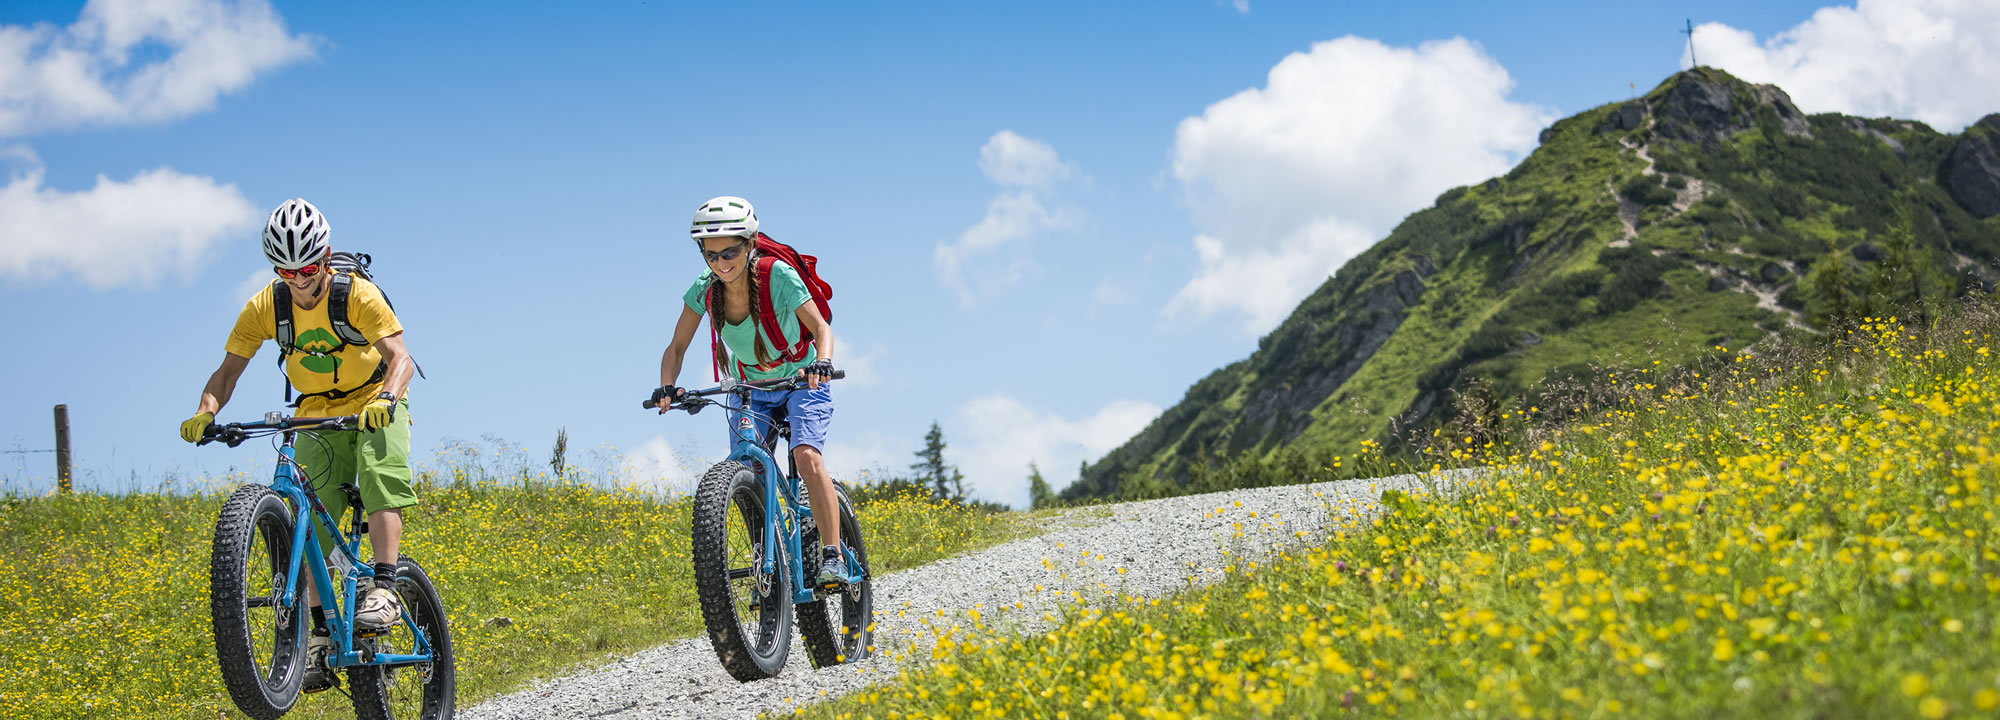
[296,235]
[726,216]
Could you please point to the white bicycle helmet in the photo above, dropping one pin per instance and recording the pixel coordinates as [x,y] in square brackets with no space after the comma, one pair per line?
[296,235]
[726,216]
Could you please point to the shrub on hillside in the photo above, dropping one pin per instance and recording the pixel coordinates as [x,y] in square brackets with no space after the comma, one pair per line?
[1647,190]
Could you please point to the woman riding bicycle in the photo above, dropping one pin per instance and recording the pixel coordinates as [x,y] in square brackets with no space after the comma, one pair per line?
[725,232]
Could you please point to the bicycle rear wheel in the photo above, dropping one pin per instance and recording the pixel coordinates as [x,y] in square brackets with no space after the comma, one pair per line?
[841,627]
[425,690]
[748,614]
[259,643]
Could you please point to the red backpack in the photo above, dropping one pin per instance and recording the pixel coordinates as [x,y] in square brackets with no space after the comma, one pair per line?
[769,252]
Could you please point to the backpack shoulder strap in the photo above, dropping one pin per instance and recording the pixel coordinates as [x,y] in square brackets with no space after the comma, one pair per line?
[336,310]
[281,306]
[286,335]
[768,317]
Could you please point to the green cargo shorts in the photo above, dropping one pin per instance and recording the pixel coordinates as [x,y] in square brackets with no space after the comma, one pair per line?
[376,462]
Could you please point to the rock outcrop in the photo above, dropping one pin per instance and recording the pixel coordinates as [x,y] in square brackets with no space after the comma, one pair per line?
[1703,107]
[1971,173]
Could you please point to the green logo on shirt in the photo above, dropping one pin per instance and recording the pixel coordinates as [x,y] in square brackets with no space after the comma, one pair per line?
[318,340]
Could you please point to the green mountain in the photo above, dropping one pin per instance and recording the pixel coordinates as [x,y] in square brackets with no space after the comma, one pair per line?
[1709,212]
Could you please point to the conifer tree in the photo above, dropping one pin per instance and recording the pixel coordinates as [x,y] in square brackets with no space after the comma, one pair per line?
[1833,282]
[1039,495]
[946,482]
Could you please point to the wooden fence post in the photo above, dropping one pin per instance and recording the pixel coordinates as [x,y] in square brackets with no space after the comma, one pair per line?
[62,449]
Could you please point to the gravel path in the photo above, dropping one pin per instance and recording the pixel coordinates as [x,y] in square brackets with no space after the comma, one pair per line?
[1149,549]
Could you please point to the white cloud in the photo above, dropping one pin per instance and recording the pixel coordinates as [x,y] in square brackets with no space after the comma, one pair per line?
[159,218]
[1012,160]
[856,457]
[667,468]
[662,468]
[137,61]
[1265,284]
[1242,6]
[1289,180]
[1027,170]
[251,285]
[1111,293]
[861,362]
[1001,436]
[1937,61]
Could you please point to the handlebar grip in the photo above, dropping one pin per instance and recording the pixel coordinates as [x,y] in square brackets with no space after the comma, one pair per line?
[648,404]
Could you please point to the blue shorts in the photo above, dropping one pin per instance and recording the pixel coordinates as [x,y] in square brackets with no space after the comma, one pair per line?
[808,411]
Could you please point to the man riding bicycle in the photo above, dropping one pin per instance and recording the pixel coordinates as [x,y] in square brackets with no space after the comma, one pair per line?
[334,376]
[725,232]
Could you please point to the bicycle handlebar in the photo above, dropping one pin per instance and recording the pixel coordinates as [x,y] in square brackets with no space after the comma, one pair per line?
[233,434]
[792,382]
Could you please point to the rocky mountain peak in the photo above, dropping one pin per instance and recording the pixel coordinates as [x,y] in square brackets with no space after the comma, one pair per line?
[1708,106]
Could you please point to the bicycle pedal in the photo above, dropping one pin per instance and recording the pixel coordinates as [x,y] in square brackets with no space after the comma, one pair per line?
[372,633]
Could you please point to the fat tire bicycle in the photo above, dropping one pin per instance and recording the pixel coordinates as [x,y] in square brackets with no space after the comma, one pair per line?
[265,548]
[748,556]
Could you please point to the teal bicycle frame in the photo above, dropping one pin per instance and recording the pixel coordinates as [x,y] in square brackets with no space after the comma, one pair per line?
[781,529]
[307,509]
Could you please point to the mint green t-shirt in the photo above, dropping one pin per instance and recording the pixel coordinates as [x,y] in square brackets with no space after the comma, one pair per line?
[787,293]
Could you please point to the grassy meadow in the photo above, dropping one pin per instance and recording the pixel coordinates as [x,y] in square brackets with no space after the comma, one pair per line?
[109,616]
[1795,531]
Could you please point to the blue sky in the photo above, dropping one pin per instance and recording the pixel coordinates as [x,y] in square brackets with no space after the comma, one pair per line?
[1043,221]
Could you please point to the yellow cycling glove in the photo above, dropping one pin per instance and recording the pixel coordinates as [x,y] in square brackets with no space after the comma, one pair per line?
[378,413]
[191,429]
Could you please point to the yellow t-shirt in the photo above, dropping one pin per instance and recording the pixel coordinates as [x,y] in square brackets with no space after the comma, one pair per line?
[346,370]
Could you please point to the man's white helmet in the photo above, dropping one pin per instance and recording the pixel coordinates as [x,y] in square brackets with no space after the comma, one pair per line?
[296,235]
[726,216]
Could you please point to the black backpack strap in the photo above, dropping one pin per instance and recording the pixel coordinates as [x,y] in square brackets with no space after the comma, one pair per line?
[281,305]
[287,335]
[336,310]
[381,371]
[341,289]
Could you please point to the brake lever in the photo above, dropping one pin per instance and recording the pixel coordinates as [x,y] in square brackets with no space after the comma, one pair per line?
[215,433]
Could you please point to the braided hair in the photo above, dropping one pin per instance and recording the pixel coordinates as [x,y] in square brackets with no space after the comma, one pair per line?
[764,346]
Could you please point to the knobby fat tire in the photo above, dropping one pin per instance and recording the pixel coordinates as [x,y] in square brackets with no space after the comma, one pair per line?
[836,629]
[372,686]
[254,512]
[731,487]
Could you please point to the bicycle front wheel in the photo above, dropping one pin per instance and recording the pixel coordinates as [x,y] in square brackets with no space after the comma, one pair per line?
[259,643]
[427,691]
[748,613]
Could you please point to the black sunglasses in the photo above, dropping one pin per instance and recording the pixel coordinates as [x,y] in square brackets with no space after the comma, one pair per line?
[730,254]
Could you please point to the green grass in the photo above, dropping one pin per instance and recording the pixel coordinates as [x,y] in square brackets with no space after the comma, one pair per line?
[1505,249]
[1809,534]
[109,617]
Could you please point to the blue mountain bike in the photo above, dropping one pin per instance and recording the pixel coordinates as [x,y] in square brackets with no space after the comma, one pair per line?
[748,555]
[265,549]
